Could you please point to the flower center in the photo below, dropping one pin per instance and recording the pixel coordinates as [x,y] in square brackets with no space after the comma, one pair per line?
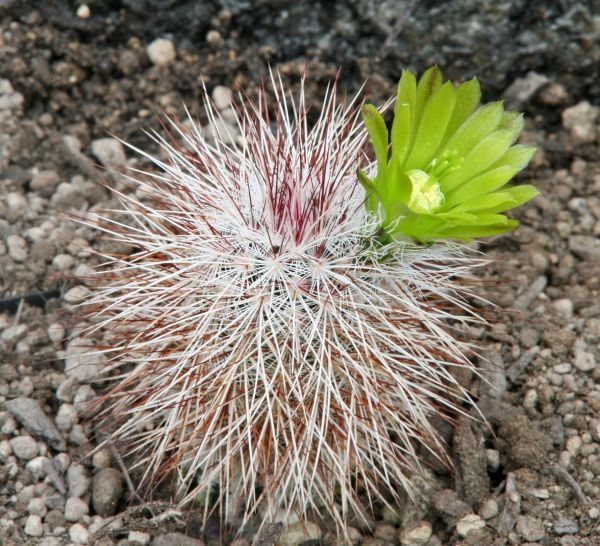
[426,196]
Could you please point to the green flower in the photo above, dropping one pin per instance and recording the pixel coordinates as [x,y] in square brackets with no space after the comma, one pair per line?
[442,172]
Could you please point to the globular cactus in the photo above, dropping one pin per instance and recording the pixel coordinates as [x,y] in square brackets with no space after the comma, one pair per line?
[266,343]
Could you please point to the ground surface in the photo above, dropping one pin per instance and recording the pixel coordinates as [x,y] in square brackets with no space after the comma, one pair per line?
[65,81]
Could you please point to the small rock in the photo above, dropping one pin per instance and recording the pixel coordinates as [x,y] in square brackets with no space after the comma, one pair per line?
[417,534]
[580,121]
[56,332]
[176,539]
[75,509]
[553,94]
[565,526]
[67,196]
[63,262]
[531,529]
[34,527]
[37,507]
[66,417]
[79,534]
[449,506]
[107,487]
[469,523]
[83,11]
[17,248]
[81,362]
[29,413]
[564,307]
[222,96]
[584,361]
[76,295]
[161,52]
[25,447]
[489,509]
[586,247]
[102,459]
[44,182]
[78,480]
[42,467]
[9,98]
[297,533]
[109,151]
[137,537]
[385,531]
[523,89]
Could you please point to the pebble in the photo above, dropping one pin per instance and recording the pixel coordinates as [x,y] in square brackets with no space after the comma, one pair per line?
[56,332]
[83,11]
[417,534]
[586,247]
[66,417]
[24,447]
[489,509]
[67,196]
[44,182]
[161,52]
[76,295]
[469,523]
[385,531]
[78,480]
[176,539]
[297,533]
[523,89]
[102,458]
[9,98]
[63,262]
[107,488]
[565,526]
[580,121]
[554,94]
[37,507]
[138,537]
[564,307]
[29,413]
[573,445]
[34,527]
[583,360]
[14,333]
[79,534]
[17,248]
[531,529]
[75,509]
[109,151]
[222,97]
[81,362]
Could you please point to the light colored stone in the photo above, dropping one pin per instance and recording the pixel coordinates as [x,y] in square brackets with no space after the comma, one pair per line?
[297,533]
[564,307]
[531,529]
[109,151]
[83,11]
[573,445]
[76,295]
[66,417]
[67,196]
[580,121]
[78,480]
[63,262]
[137,537]
[102,459]
[79,534]
[75,509]
[222,97]
[489,509]
[417,534]
[583,360]
[469,523]
[17,248]
[44,182]
[25,447]
[37,507]
[34,527]
[81,361]
[161,52]
[56,332]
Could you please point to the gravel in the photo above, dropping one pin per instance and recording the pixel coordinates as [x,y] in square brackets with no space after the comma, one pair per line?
[71,78]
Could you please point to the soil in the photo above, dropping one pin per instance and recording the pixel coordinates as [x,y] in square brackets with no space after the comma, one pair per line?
[68,81]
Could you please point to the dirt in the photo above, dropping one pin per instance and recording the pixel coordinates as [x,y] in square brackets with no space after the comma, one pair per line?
[538,463]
